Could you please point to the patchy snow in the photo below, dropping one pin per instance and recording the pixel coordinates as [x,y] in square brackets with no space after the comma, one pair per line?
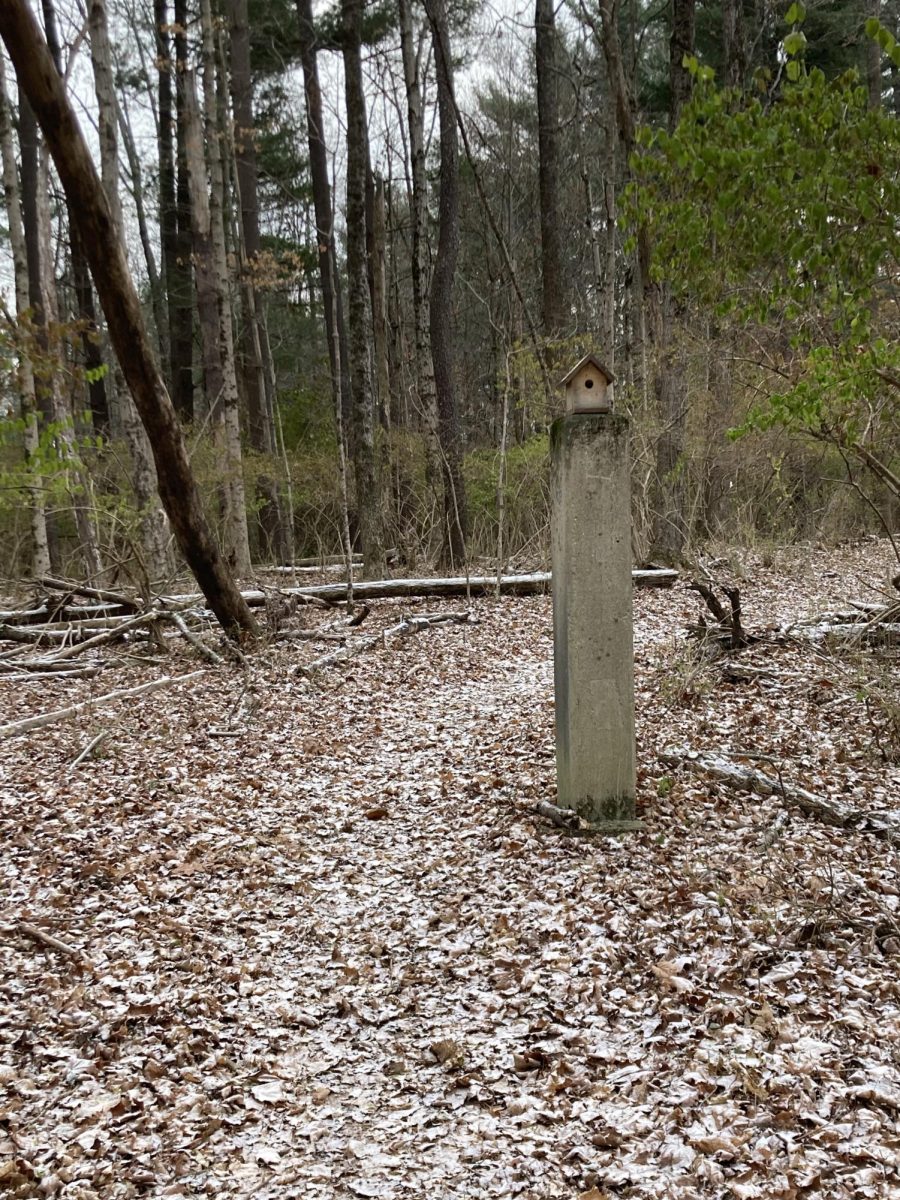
[338,955]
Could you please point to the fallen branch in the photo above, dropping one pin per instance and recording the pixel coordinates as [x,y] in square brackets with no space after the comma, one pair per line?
[64,714]
[90,747]
[191,638]
[745,779]
[75,673]
[80,589]
[403,628]
[565,818]
[45,666]
[109,635]
[54,943]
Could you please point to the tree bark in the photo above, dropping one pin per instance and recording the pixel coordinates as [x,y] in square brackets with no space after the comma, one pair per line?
[362,441]
[873,59]
[153,524]
[681,44]
[424,367]
[734,42]
[40,550]
[555,318]
[168,213]
[44,89]
[441,310]
[332,300]
[178,270]
[253,345]
[219,377]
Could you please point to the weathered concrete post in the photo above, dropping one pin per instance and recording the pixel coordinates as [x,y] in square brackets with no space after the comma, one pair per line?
[592,602]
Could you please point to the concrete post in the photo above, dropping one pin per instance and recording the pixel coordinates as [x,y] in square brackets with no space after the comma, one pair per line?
[592,617]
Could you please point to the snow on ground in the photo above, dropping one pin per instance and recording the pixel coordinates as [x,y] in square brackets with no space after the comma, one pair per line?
[339,956]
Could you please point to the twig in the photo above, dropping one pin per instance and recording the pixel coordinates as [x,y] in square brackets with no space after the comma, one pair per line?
[78,589]
[54,943]
[90,747]
[565,818]
[204,651]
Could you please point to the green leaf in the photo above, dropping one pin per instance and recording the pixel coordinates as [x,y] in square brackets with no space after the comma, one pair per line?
[793,70]
[873,25]
[795,14]
[794,43]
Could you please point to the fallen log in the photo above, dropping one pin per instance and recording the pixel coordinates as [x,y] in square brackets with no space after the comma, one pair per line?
[73,710]
[745,779]
[109,635]
[81,589]
[535,584]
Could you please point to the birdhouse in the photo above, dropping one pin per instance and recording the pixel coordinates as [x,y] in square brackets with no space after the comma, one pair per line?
[589,387]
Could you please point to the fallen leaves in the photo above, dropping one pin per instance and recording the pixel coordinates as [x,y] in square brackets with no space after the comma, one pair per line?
[341,956]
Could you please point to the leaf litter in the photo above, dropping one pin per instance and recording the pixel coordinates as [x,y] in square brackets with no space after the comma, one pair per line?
[339,955]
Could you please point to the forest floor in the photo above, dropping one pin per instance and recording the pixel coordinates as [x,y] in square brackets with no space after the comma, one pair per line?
[338,955]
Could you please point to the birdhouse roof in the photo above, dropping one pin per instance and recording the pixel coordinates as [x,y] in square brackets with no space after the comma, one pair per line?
[589,360]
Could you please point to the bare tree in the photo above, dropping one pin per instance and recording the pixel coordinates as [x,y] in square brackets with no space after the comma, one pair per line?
[547,65]
[254,357]
[441,312]
[365,463]
[40,551]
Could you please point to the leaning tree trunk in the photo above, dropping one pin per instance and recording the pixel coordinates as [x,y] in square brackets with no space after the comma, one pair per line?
[40,82]
[368,483]
[153,523]
[40,551]
[441,312]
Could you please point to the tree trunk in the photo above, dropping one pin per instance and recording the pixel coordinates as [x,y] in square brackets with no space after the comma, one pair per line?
[681,44]
[670,378]
[42,301]
[368,484]
[84,296]
[873,59]
[137,192]
[441,313]
[253,346]
[153,524]
[168,213]
[44,89]
[214,317]
[40,551]
[178,267]
[555,317]
[734,42]
[424,367]
[332,301]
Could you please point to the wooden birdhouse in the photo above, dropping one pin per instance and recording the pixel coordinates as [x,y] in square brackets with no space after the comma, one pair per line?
[588,386]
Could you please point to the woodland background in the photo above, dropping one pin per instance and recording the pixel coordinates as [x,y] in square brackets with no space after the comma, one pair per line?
[370,239]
